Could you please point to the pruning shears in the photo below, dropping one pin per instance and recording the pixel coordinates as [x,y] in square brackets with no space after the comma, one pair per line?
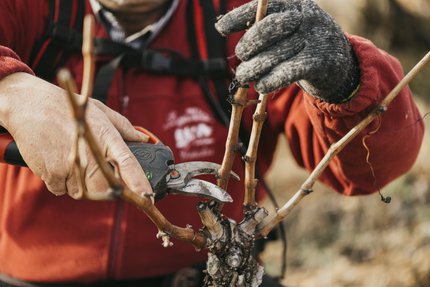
[158,162]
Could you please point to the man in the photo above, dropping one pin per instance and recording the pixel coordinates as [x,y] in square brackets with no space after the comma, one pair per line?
[340,78]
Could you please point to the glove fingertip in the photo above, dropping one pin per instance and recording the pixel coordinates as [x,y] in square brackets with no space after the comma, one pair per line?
[265,87]
[237,19]
[240,52]
[227,25]
[242,75]
[220,27]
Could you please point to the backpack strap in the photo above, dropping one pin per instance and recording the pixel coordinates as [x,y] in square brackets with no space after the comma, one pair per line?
[216,48]
[206,43]
[212,66]
[64,36]
[61,38]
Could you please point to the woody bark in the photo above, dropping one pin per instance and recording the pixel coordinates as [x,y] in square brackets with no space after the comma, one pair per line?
[232,146]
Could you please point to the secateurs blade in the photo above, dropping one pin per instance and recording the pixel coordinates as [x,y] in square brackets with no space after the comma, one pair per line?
[166,177]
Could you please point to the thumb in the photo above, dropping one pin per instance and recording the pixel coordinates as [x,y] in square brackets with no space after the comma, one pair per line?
[128,166]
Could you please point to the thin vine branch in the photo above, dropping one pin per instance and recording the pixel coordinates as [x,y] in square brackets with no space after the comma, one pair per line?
[306,188]
[251,154]
[86,139]
[261,10]
[257,125]
[88,55]
[239,102]
[117,189]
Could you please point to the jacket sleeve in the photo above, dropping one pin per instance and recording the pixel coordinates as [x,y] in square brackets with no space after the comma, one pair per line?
[391,142]
[10,63]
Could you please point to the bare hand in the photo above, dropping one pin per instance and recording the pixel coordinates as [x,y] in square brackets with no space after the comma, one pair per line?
[38,116]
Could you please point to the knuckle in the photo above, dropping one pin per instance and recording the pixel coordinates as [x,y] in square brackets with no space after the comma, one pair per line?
[96,102]
[104,132]
[125,159]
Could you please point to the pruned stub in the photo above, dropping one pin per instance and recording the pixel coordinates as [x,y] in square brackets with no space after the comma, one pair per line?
[230,261]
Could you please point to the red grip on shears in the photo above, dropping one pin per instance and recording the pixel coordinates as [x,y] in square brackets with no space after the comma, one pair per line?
[152,138]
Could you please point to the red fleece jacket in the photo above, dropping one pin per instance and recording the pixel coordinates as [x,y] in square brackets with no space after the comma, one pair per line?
[57,239]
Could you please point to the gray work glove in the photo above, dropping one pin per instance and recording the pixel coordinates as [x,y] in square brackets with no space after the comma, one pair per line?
[296,41]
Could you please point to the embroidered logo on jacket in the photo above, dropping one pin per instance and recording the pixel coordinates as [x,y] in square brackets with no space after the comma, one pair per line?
[193,133]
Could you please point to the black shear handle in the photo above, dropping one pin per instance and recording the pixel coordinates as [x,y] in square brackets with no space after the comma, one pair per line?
[9,152]
[154,157]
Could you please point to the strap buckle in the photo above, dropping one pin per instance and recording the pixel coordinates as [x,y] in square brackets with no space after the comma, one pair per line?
[156,62]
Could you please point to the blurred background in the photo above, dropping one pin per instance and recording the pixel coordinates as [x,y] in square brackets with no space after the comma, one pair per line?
[338,241]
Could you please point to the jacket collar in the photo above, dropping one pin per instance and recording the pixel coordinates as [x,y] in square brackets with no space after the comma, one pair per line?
[137,40]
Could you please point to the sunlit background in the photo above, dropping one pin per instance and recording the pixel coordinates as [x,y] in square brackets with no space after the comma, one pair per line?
[361,241]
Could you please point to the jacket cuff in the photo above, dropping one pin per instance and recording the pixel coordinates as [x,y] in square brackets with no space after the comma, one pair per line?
[373,63]
[10,63]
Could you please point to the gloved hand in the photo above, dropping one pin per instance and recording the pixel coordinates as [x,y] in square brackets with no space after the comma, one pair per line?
[296,41]
[38,116]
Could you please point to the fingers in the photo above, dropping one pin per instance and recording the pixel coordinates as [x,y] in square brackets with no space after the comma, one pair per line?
[128,167]
[267,32]
[119,153]
[74,188]
[95,180]
[122,124]
[256,67]
[56,186]
[237,19]
[110,129]
[243,17]
[284,74]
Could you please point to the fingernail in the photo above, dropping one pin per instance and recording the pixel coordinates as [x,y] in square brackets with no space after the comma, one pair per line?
[143,137]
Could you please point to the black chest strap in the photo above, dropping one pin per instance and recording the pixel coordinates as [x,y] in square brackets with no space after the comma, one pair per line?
[161,62]
[169,62]
[215,48]
[64,37]
[60,38]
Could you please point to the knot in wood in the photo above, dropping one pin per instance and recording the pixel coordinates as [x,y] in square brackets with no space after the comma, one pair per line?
[381,109]
[234,102]
[306,191]
[221,177]
[248,159]
[259,117]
